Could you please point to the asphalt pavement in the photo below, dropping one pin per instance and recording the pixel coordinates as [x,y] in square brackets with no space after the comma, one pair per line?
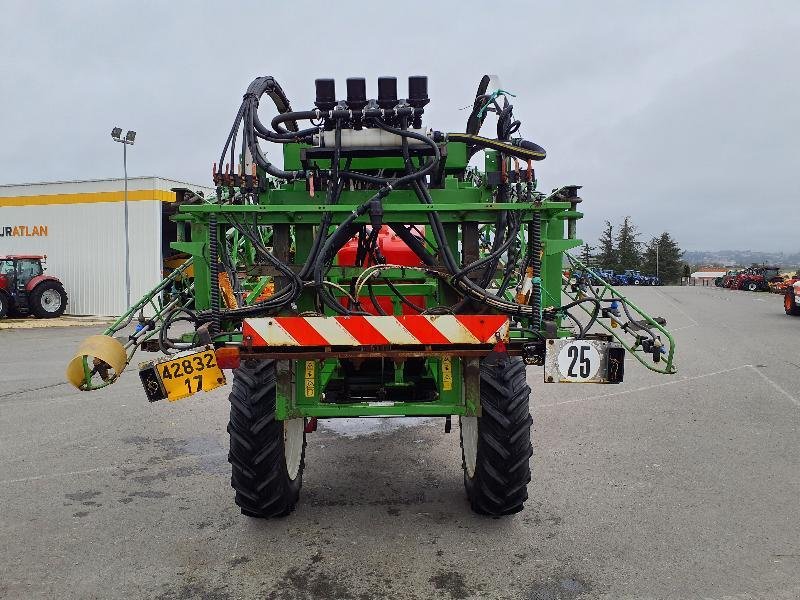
[662,487]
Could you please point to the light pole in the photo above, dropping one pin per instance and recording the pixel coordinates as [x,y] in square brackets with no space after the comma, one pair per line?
[116,135]
[657,273]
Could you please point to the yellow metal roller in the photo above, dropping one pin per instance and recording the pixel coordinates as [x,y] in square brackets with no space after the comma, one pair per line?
[100,359]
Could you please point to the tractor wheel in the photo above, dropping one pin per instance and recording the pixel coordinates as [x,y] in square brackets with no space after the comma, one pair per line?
[751,286]
[266,455]
[4,305]
[637,282]
[48,300]
[496,447]
[789,304]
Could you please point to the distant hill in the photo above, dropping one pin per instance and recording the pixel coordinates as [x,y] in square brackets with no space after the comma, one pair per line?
[742,258]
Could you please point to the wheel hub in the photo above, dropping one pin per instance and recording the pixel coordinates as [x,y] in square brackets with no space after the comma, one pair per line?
[51,301]
[293,445]
[469,442]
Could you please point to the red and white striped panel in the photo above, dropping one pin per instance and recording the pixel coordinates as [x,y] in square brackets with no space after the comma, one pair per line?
[376,330]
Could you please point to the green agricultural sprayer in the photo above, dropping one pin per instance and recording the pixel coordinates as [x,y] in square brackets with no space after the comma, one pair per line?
[376,274]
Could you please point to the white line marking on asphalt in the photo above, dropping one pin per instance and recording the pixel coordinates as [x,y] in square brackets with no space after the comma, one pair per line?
[54,475]
[766,378]
[683,312]
[643,389]
[100,469]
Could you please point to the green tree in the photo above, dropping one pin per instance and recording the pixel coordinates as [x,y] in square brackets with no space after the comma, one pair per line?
[663,256]
[628,246]
[606,257]
[587,255]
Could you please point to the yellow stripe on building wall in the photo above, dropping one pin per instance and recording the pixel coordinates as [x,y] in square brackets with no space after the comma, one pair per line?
[88,198]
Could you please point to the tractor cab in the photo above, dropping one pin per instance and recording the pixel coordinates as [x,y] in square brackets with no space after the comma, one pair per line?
[24,288]
[17,270]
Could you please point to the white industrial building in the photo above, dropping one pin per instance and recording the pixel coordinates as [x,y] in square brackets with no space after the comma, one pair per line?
[79,226]
[705,278]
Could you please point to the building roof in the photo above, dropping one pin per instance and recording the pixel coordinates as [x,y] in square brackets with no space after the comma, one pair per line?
[94,190]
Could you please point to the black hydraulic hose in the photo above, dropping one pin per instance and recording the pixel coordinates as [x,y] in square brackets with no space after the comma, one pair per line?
[402,298]
[164,343]
[493,257]
[305,115]
[513,255]
[413,243]
[258,155]
[356,176]
[325,223]
[583,329]
[465,285]
[427,168]
[344,232]
[518,148]
[348,228]
[374,300]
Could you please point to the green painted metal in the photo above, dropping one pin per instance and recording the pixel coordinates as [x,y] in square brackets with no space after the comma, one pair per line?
[174,291]
[464,200]
[459,203]
[602,289]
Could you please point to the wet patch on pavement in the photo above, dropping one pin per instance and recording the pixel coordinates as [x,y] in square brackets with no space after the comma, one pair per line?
[559,588]
[453,583]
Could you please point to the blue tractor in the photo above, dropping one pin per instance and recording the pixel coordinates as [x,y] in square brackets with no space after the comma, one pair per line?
[633,277]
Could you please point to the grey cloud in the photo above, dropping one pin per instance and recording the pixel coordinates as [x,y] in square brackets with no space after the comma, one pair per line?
[682,114]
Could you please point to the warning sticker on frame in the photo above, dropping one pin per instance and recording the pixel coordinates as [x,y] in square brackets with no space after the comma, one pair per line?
[447,374]
[310,378]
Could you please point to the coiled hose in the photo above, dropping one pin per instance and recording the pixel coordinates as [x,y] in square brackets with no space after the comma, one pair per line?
[214,267]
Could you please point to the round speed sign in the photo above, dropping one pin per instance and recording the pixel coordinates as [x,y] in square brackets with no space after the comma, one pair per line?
[578,361]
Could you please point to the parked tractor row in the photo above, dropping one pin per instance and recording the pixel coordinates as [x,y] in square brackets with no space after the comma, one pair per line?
[629,277]
[752,279]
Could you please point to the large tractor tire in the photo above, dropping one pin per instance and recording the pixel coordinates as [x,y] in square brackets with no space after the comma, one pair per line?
[751,286]
[5,305]
[790,305]
[48,300]
[496,447]
[266,455]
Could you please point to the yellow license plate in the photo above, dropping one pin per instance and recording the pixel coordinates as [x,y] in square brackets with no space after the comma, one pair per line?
[190,374]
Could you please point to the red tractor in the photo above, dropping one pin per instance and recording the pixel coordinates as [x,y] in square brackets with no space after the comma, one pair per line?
[755,279]
[25,289]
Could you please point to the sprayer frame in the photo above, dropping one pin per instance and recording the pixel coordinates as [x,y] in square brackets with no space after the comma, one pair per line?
[462,206]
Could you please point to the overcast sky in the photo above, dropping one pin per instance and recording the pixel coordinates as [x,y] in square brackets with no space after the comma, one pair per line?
[683,115]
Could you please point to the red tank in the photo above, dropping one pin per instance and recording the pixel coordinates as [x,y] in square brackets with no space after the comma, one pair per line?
[396,252]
